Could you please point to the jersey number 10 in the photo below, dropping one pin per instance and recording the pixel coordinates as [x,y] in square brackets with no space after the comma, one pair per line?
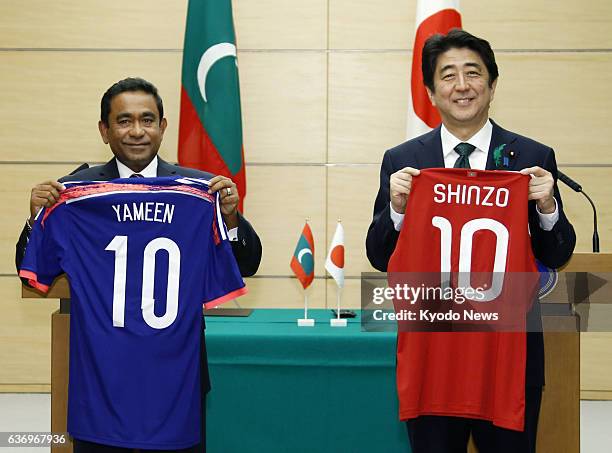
[119,246]
[465,252]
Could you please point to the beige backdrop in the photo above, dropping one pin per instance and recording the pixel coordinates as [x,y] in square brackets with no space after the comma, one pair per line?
[324,93]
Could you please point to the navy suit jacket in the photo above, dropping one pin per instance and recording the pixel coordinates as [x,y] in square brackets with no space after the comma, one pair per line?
[552,248]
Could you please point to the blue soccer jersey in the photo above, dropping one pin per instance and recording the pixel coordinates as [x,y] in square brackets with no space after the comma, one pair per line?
[142,256]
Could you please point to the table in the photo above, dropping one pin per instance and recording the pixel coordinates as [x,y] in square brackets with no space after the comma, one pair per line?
[277,387]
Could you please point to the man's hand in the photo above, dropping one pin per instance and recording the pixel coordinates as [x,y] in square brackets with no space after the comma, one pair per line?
[44,195]
[541,188]
[228,193]
[400,184]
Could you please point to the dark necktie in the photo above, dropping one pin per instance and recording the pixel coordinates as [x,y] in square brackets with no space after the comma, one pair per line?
[138,175]
[464,150]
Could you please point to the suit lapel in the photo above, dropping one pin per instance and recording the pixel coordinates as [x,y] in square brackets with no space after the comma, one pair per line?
[430,156]
[164,168]
[501,137]
[108,171]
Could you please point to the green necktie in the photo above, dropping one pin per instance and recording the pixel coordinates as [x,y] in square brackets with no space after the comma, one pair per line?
[464,150]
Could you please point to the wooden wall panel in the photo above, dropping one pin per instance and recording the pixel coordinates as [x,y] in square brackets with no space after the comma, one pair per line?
[540,24]
[363,24]
[280,200]
[537,95]
[82,24]
[279,24]
[596,361]
[350,197]
[561,99]
[25,334]
[368,95]
[507,24]
[87,24]
[51,101]
[350,295]
[18,180]
[52,114]
[284,96]
[285,292]
[275,24]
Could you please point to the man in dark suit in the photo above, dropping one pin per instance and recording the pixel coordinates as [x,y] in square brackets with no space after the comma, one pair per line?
[460,75]
[132,123]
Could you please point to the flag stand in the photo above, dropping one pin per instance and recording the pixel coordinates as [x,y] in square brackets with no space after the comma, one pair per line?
[338,322]
[306,321]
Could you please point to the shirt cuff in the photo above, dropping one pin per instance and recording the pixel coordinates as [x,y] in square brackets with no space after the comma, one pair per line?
[232,234]
[397,219]
[548,221]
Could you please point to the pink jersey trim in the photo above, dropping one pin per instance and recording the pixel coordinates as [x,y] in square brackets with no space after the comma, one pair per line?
[76,192]
[33,280]
[219,300]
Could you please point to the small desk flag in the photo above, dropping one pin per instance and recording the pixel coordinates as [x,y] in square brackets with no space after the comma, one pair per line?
[302,261]
[335,258]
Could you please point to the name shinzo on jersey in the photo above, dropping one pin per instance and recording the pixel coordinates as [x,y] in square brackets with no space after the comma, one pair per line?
[142,256]
[474,222]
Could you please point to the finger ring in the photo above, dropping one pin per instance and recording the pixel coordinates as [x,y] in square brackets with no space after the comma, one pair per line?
[229,191]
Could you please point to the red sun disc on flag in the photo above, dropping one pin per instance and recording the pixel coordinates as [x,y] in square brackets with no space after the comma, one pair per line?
[337,256]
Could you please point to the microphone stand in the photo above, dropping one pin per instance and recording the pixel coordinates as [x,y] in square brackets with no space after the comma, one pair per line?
[578,188]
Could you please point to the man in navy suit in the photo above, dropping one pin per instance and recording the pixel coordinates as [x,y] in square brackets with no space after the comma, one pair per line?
[132,123]
[460,74]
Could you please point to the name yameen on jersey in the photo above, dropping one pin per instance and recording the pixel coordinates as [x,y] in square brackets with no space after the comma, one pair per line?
[147,211]
[467,194]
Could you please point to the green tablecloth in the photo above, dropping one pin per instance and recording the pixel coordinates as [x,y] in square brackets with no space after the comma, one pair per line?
[277,387]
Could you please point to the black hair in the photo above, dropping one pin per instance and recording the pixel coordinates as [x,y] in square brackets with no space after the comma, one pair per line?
[455,39]
[129,84]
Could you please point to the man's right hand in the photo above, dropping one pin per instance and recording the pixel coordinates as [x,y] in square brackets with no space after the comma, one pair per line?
[45,195]
[400,184]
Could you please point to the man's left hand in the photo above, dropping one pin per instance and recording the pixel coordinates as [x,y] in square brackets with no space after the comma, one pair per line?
[541,188]
[228,192]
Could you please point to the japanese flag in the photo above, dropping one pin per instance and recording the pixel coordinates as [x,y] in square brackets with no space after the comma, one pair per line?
[335,258]
[432,16]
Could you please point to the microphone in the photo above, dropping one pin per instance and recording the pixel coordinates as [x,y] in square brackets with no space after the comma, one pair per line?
[578,188]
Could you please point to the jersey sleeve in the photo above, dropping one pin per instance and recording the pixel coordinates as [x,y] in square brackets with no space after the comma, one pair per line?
[44,252]
[222,280]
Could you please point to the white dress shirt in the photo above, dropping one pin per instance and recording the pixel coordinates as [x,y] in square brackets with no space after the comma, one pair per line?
[150,171]
[478,161]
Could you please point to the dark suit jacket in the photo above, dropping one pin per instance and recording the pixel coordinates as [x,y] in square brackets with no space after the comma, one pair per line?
[552,248]
[247,249]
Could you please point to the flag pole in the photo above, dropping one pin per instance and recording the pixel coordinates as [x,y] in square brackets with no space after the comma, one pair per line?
[338,321]
[338,291]
[306,321]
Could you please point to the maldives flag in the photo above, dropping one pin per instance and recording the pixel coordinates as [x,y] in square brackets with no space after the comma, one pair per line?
[302,261]
[433,16]
[210,127]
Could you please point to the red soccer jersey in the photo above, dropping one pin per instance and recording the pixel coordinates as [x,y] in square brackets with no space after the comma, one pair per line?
[461,220]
